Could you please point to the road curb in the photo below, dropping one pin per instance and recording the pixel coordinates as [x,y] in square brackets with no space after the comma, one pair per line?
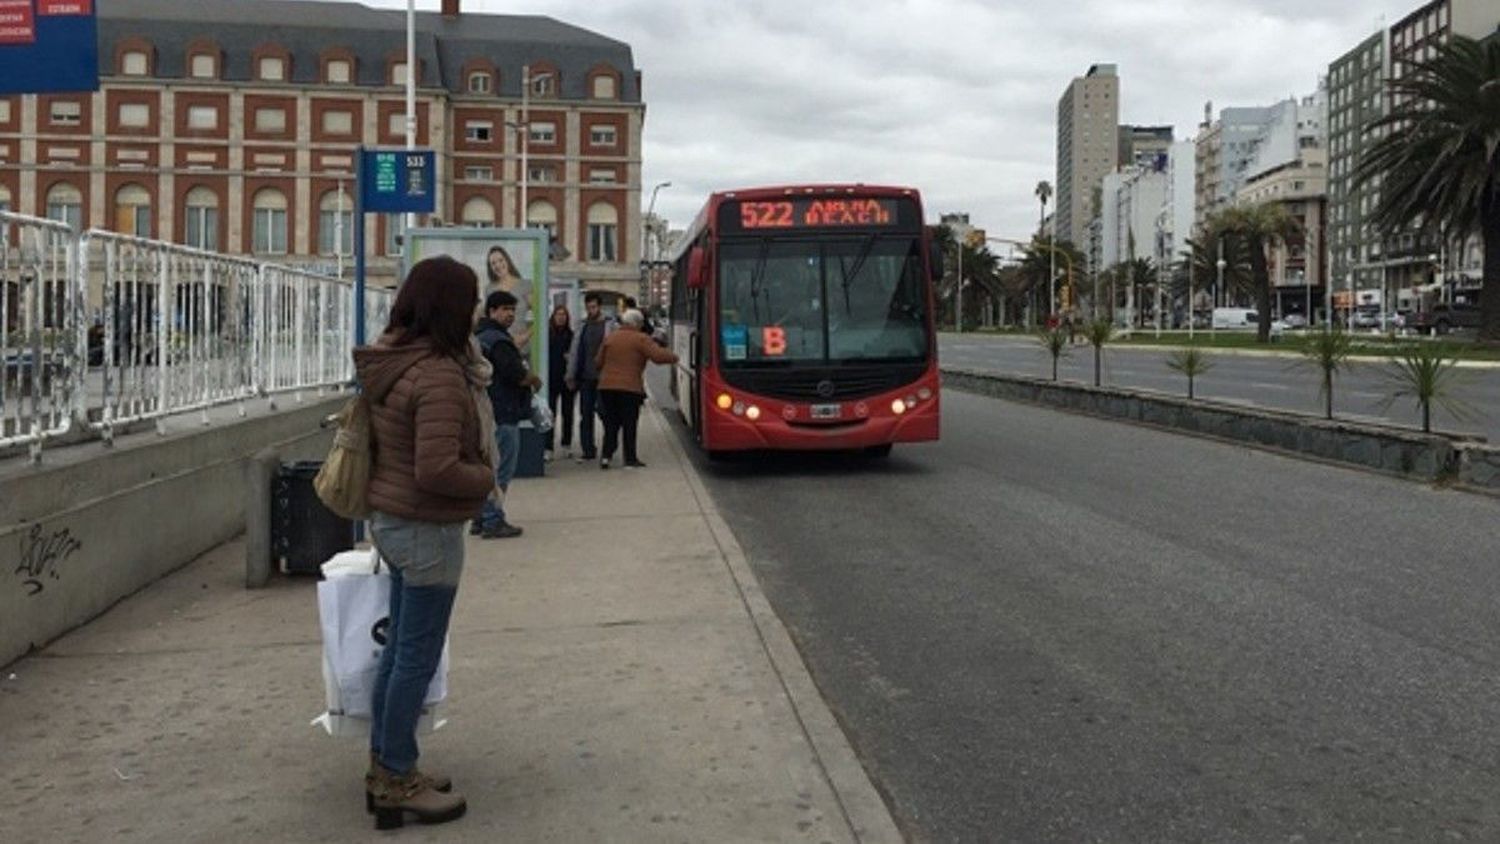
[865,812]
[1246,353]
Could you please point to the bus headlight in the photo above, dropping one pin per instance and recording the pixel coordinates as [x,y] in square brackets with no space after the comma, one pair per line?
[752,413]
[898,407]
[924,394]
[739,408]
[725,401]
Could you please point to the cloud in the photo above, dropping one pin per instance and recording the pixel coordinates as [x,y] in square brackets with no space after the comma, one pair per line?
[955,97]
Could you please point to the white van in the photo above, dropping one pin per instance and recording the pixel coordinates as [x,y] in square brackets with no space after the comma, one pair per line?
[1236,318]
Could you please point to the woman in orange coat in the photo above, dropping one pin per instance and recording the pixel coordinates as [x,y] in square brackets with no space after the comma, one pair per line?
[621,363]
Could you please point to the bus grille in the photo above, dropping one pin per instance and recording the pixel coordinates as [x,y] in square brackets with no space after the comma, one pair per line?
[824,384]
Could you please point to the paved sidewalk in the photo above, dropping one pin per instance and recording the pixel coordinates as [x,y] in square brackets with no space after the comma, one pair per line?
[617,676]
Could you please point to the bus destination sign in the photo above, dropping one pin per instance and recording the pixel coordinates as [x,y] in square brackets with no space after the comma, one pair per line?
[818,213]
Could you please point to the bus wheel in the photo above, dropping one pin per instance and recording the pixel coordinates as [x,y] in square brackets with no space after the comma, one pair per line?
[882,450]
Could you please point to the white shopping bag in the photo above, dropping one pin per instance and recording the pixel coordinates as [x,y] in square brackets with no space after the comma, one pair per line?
[354,603]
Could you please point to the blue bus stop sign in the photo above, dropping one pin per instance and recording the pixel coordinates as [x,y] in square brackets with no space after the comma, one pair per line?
[48,46]
[397,181]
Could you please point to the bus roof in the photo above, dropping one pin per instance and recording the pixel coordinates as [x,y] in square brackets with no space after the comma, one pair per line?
[710,208]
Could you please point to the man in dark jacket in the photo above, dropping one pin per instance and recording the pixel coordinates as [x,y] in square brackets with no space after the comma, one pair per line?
[510,395]
[583,376]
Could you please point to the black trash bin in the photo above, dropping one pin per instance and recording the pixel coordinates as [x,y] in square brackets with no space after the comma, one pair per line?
[304,532]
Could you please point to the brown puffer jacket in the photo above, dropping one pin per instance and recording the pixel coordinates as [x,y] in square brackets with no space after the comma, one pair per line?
[427,463]
[622,360]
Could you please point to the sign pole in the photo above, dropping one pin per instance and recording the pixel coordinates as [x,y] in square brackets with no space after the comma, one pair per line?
[359,249]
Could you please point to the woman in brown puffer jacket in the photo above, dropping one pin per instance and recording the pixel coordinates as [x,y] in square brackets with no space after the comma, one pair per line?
[432,468]
[621,363]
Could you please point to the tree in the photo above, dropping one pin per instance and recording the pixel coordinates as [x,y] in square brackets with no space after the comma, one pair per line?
[1044,193]
[1425,372]
[1257,227]
[1099,333]
[1191,362]
[1055,342]
[1328,351]
[1437,159]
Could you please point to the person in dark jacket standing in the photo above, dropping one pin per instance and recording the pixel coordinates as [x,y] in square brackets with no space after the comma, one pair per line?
[622,387]
[510,394]
[432,465]
[583,373]
[559,397]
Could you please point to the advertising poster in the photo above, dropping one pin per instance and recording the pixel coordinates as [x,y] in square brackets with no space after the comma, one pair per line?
[48,46]
[514,260]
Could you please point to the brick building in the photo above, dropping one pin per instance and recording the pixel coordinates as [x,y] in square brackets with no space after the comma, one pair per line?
[231,125]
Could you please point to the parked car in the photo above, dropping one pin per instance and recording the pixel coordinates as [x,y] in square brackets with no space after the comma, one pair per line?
[1294,321]
[1443,317]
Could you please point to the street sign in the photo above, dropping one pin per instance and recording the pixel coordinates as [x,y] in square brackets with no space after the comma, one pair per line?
[48,46]
[397,181]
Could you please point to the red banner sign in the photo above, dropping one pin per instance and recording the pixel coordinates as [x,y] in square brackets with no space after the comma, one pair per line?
[17,26]
[64,7]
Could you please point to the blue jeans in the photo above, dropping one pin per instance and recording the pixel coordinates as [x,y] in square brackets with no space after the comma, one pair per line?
[508,443]
[588,405]
[426,562]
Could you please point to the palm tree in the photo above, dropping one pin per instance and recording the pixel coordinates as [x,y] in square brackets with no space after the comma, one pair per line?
[1438,161]
[1055,342]
[1099,332]
[1191,362]
[1328,351]
[1257,227]
[1426,372]
[943,240]
[1044,193]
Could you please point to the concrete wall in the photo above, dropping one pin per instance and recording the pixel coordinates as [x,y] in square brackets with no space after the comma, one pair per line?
[1396,451]
[94,524]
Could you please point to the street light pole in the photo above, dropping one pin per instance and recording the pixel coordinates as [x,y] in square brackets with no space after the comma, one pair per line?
[1219,264]
[958,310]
[411,91]
[525,137]
[645,224]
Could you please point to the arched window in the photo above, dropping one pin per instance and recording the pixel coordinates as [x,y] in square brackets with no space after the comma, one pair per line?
[542,215]
[604,224]
[201,224]
[133,211]
[604,87]
[336,224]
[478,213]
[65,205]
[269,230]
[135,63]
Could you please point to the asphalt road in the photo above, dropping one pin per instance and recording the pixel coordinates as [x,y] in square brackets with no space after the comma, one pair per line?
[1049,627]
[1274,382]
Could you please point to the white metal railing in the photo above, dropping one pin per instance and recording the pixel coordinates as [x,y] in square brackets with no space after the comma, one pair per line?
[101,330]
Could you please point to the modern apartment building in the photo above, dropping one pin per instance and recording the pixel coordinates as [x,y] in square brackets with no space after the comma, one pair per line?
[1146,146]
[1088,119]
[232,125]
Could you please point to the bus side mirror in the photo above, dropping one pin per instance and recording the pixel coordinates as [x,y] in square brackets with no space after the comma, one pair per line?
[935,258]
[697,274]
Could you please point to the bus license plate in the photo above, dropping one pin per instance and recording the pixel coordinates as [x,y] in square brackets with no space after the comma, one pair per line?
[827,411]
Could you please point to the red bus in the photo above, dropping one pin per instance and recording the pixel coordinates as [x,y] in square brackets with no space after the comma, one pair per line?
[803,318]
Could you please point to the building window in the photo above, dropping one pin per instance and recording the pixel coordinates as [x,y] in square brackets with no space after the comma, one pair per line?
[542,84]
[398,73]
[203,66]
[602,177]
[339,72]
[270,120]
[268,233]
[479,174]
[542,215]
[203,118]
[604,88]
[135,63]
[133,211]
[201,222]
[67,113]
[397,124]
[4,111]
[395,230]
[603,224]
[478,213]
[602,136]
[543,133]
[479,131]
[65,205]
[338,123]
[272,69]
[335,224]
[541,173]
[135,115]
[479,82]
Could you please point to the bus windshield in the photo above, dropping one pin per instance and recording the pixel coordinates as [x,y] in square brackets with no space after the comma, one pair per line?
[785,301]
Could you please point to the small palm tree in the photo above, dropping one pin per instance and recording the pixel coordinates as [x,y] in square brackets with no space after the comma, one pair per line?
[1099,332]
[1328,352]
[1438,162]
[1426,372]
[1191,362]
[1055,341]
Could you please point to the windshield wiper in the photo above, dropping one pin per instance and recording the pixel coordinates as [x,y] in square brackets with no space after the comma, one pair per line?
[756,275]
[859,264]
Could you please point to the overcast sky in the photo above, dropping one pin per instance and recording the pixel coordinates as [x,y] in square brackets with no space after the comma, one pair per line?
[957,98]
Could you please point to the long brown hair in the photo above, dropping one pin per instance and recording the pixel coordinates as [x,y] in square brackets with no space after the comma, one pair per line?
[437,302]
[566,327]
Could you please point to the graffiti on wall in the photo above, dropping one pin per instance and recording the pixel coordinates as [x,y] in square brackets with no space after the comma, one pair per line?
[42,556]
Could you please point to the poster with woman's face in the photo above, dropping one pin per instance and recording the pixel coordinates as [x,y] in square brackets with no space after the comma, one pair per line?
[512,260]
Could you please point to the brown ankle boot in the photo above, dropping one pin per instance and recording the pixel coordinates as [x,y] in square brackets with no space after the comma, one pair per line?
[440,782]
[394,796]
